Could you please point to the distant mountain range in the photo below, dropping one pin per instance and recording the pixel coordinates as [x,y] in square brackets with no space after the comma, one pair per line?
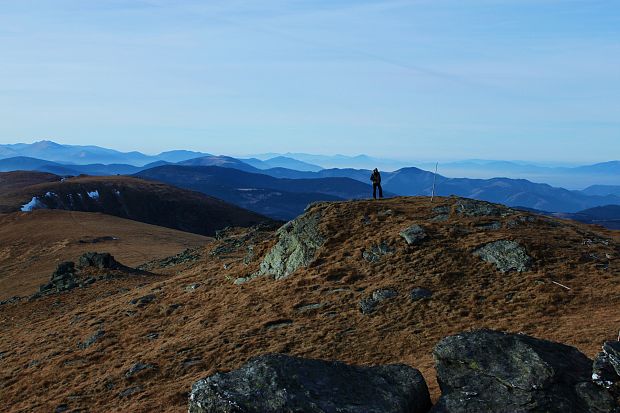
[606,173]
[281,186]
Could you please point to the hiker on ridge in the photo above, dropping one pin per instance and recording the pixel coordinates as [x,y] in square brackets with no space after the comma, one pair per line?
[376,183]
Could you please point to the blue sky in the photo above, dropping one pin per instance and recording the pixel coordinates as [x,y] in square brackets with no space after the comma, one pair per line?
[421,79]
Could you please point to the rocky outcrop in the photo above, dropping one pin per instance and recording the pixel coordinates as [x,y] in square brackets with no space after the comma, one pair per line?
[506,255]
[298,242]
[474,208]
[606,367]
[376,252]
[490,371]
[280,383]
[63,279]
[369,304]
[414,235]
[99,260]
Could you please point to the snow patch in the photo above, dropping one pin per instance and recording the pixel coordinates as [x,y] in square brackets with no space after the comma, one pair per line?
[34,203]
[93,194]
[49,194]
[117,192]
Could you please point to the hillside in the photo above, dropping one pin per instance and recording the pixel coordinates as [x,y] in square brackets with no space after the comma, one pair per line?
[318,297]
[33,243]
[125,197]
[277,198]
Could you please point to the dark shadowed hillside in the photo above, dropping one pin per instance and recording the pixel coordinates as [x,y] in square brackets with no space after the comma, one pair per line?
[278,198]
[131,198]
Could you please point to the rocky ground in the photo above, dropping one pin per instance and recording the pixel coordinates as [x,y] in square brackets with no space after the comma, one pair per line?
[359,282]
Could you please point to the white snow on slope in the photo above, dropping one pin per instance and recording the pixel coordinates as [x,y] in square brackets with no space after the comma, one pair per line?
[93,194]
[33,204]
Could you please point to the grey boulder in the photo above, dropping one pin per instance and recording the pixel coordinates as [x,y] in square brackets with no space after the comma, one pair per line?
[102,260]
[415,234]
[298,242]
[606,366]
[506,255]
[279,383]
[490,371]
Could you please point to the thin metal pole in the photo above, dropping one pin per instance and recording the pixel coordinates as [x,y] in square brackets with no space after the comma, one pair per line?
[434,179]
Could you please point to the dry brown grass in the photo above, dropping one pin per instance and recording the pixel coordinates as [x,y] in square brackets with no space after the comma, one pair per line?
[220,325]
[33,243]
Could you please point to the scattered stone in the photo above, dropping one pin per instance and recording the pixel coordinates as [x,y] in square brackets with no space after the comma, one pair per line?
[192,287]
[414,235]
[443,213]
[366,220]
[137,368]
[280,383]
[187,256]
[98,260]
[297,245]
[506,255]
[152,336]
[88,281]
[513,223]
[375,252]
[475,208]
[420,294]
[61,408]
[309,307]
[130,391]
[91,340]
[144,300]
[490,226]
[192,361]
[491,371]
[369,304]
[385,213]
[272,325]
[14,299]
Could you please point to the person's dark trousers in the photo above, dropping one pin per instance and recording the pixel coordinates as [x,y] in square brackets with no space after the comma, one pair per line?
[374,191]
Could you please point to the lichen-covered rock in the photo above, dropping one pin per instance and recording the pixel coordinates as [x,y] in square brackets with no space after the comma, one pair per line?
[475,208]
[63,279]
[415,234]
[606,366]
[506,255]
[369,304]
[297,245]
[375,252]
[277,383]
[102,260]
[490,371]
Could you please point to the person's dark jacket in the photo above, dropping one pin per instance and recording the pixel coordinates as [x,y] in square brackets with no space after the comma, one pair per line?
[375,178]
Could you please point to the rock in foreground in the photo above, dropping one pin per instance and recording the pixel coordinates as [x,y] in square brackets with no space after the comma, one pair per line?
[280,383]
[489,371]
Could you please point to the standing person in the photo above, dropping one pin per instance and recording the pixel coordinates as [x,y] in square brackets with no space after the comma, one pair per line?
[376,183]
